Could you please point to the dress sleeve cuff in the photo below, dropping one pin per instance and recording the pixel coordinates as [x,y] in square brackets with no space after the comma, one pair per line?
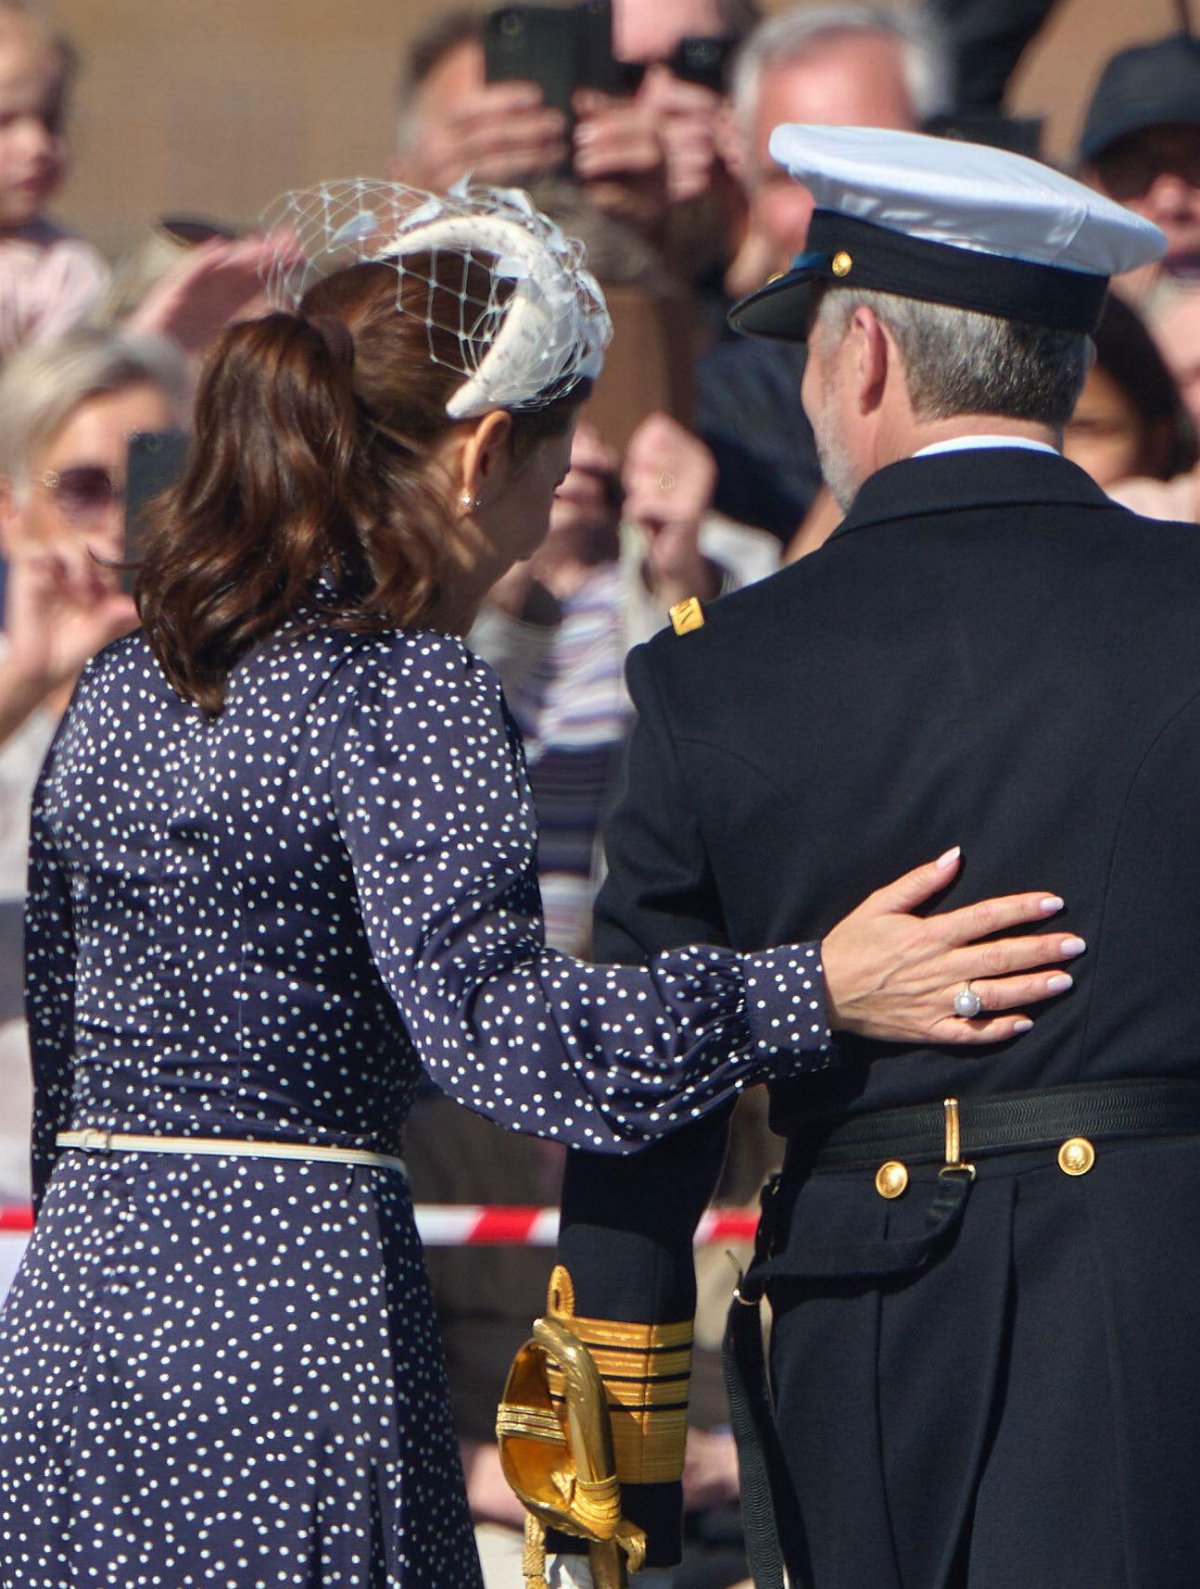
[786,1003]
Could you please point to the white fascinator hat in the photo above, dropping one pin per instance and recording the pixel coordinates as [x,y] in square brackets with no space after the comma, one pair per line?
[536,329]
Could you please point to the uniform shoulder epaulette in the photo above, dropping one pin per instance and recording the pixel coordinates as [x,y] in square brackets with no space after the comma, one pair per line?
[687,615]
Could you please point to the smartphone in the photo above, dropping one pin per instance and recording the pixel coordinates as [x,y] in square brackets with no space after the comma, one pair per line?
[597,66]
[1017,134]
[534,44]
[559,48]
[156,459]
[189,231]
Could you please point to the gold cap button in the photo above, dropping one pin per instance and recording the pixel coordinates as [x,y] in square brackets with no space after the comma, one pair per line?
[891,1179]
[1076,1156]
[841,263]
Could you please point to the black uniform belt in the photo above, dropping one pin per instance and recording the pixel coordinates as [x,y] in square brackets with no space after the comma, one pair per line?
[1000,1123]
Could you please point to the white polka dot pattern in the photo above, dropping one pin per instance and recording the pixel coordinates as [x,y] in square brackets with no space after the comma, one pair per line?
[220,1371]
[226,1372]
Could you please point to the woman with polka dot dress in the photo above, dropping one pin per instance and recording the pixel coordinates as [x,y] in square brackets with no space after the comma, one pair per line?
[283,857]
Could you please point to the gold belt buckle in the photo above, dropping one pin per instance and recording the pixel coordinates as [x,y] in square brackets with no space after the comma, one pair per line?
[954,1164]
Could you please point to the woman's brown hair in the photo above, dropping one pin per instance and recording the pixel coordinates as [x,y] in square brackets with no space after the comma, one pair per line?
[310,463]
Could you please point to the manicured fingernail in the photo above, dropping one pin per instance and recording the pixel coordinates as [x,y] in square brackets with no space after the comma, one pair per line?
[1060,983]
[1022,1026]
[1051,903]
[945,862]
[1072,946]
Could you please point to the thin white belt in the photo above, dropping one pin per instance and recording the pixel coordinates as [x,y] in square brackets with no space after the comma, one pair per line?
[92,1140]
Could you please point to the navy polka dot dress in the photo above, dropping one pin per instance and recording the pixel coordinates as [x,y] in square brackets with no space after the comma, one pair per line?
[224,1371]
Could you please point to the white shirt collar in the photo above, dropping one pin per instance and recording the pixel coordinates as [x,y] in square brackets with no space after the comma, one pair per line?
[963,443]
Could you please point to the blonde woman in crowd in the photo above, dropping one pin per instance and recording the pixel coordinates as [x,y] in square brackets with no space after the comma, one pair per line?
[67,411]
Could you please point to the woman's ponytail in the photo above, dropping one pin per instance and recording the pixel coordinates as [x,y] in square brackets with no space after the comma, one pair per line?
[318,453]
[266,502]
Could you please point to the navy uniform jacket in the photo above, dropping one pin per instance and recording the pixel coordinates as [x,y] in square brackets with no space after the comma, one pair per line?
[987,653]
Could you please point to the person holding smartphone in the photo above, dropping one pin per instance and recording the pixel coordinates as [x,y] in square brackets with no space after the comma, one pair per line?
[640,131]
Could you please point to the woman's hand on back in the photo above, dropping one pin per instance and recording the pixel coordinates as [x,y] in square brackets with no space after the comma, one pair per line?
[893,975]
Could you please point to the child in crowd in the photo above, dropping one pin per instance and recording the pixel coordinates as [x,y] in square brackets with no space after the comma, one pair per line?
[48,279]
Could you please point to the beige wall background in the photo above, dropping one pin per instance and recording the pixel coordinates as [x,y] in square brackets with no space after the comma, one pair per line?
[214,106]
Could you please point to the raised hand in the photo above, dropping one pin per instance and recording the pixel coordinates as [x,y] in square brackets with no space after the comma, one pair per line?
[669,477]
[60,607]
[217,282]
[493,132]
[620,159]
[689,121]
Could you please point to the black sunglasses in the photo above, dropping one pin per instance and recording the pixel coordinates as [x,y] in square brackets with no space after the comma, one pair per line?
[702,60]
[83,489]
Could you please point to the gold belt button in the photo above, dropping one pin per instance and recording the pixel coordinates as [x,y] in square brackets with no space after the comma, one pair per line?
[891,1179]
[1076,1156]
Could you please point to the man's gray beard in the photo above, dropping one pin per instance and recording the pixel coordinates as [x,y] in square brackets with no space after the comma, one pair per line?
[836,469]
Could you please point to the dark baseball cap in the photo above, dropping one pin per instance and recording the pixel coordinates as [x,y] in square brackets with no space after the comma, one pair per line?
[1149,85]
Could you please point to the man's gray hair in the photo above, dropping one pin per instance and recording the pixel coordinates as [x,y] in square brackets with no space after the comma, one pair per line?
[958,361]
[924,55]
[43,385]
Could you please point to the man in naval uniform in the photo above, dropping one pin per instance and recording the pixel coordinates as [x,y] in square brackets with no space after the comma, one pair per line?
[983,1271]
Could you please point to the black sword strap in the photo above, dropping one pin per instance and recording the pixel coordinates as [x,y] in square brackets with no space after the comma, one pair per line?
[770,1516]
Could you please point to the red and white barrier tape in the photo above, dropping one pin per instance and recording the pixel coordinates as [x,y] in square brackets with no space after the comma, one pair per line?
[462,1225]
[466,1225]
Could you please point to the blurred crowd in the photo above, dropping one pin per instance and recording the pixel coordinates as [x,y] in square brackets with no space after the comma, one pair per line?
[642,127]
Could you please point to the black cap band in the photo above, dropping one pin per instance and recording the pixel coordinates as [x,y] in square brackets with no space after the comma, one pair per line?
[853,253]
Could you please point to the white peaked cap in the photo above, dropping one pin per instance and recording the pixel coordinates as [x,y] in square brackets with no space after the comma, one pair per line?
[968,195]
[948,222]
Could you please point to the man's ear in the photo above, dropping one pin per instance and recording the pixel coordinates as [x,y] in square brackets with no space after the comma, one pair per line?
[873,358]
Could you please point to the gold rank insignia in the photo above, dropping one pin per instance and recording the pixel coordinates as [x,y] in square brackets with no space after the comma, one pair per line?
[687,615]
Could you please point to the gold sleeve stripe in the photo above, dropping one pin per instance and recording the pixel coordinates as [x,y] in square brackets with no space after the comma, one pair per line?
[649,1446]
[641,1365]
[633,1337]
[645,1369]
[635,1393]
